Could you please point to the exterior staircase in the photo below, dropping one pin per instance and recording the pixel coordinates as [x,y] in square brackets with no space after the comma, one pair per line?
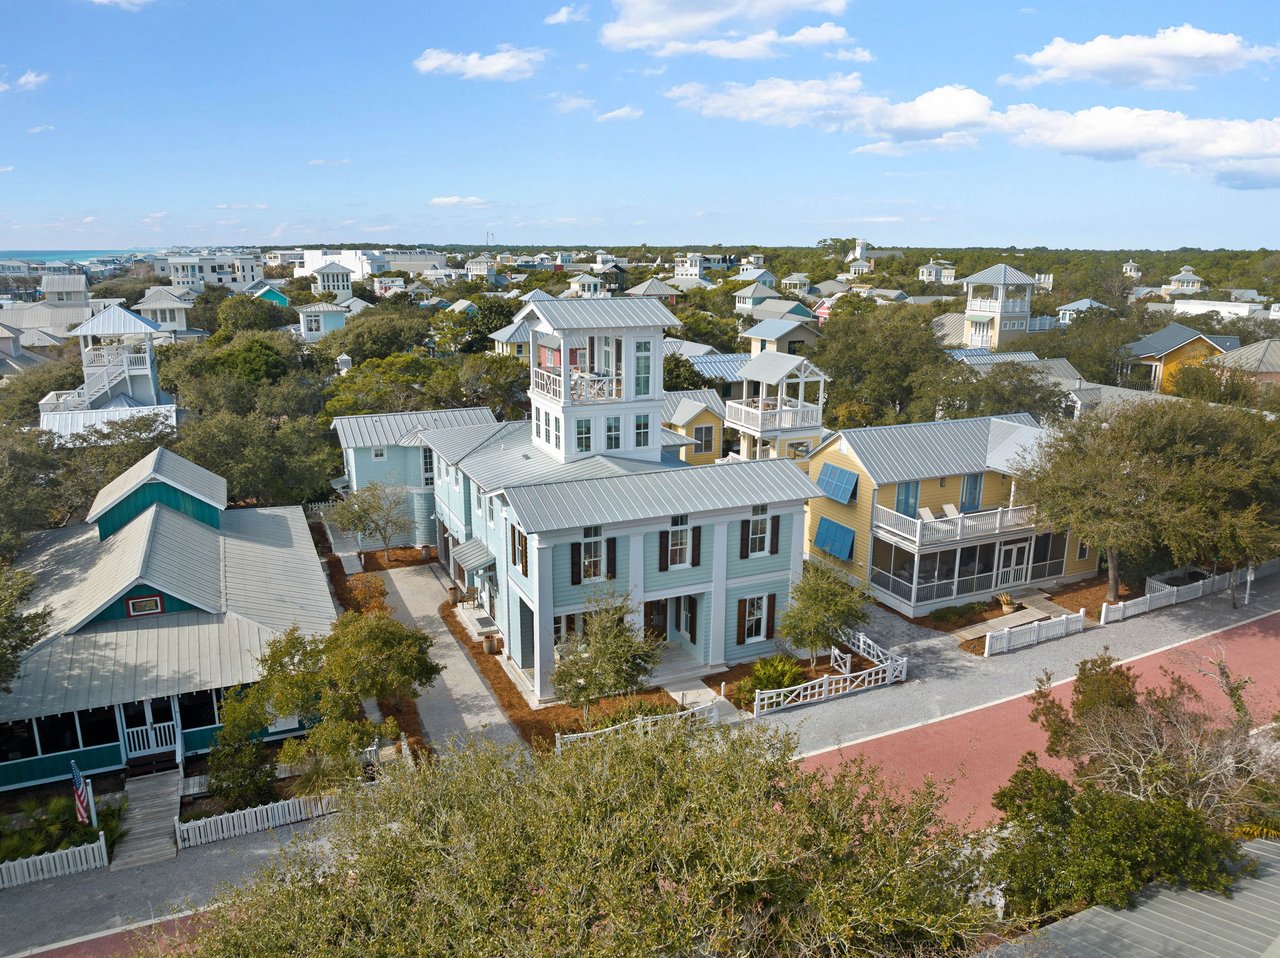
[154,801]
[95,386]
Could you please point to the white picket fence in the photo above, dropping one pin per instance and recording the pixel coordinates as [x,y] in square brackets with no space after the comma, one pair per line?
[82,858]
[1161,594]
[889,668]
[699,714]
[217,828]
[1033,633]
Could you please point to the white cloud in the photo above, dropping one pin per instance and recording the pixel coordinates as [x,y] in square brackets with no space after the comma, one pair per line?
[759,46]
[241,206]
[230,222]
[569,103]
[130,5]
[30,80]
[473,202]
[566,14]
[1167,60]
[6,169]
[152,219]
[654,71]
[328,162]
[854,54]
[650,24]
[3,87]
[878,219]
[621,113]
[39,129]
[89,219]
[506,63]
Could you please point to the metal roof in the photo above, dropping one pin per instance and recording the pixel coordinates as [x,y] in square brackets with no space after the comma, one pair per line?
[536,296]
[693,489]
[679,406]
[726,366]
[685,347]
[161,297]
[949,328]
[114,321]
[1260,357]
[73,283]
[1166,340]
[333,267]
[772,329]
[1080,305]
[779,308]
[453,444]
[321,308]
[71,422]
[390,429]
[773,367]
[670,439]
[948,447]
[512,332]
[653,287]
[757,291]
[1172,921]
[472,555]
[637,312]
[687,283]
[829,287]
[271,580]
[164,466]
[999,275]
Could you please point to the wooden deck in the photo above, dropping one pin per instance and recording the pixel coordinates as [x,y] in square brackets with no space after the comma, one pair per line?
[148,821]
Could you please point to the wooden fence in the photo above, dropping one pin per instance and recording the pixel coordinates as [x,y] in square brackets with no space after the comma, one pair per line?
[1033,633]
[217,828]
[1161,594]
[889,668]
[700,714]
[82,858]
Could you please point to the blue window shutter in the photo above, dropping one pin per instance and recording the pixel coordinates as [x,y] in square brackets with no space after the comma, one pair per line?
[839,484]
[834,539]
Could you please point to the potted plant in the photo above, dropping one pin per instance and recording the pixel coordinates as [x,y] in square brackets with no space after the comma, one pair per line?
[1007,604]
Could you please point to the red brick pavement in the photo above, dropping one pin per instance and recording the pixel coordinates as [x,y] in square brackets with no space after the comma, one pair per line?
[978,750]
[125,943]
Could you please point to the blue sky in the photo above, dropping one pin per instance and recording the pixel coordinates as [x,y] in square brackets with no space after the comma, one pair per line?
[1078,124]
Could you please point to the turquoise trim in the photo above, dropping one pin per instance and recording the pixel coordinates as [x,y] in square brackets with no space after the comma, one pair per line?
[147,495]
[119,609]
[46,768]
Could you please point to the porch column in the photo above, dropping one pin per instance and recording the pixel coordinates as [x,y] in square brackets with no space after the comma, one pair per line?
[124,747]
[635,577]
[719,578]
[543,636]
[178,751]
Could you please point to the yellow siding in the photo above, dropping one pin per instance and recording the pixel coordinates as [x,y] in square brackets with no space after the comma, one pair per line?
[1075,566]
[704,418]
[935,493]
[856,515]
[1193,352]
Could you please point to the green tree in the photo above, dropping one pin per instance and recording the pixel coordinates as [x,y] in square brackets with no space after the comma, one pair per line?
[393,384]
[21,395]
[713,843]
[480,379]
[20,628]
[203,313]
[92,458]
[958,391]
[679,373]
[378,333]
[614,656]
[720,333]
[129,288]
[241,772]
[376,511]
[824,605]
[29,480]
[240,313]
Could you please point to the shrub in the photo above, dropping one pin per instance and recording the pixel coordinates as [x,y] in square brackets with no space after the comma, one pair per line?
[633,708]
[52,826]
[775,672]
[368,592]
[241,774]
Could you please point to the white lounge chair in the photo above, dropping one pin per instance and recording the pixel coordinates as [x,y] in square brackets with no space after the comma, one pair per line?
[951,511]
[927,514]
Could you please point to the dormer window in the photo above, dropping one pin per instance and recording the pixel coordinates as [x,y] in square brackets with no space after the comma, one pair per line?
[145,605]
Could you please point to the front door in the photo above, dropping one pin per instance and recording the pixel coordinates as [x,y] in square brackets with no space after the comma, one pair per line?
[149,726]
[1013,565]
[655,618]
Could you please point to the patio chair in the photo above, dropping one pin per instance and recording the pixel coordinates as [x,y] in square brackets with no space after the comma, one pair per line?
[927,514]
[951,511]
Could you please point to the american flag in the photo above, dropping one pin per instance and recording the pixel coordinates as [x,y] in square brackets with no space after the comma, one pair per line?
[82,796]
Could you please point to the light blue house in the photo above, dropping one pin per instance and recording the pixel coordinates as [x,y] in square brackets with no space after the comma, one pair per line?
[316,319]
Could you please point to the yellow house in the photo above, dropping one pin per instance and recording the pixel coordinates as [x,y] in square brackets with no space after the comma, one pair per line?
[1171,347]
[784,334]
[512,340]
[697,414]
[927,515]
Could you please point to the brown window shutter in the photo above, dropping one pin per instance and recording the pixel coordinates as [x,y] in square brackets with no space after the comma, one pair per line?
[515,556]
[775,529]
[693,619]
[771,606]
[695,548]
[742,621]
[575,563]
[664,550]
[744,540]
[611,558]
[524,555]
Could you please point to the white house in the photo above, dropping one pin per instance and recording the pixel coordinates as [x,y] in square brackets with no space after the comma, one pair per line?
[333,278]
[482,269]
[166,307]
[316,319]
[234,270]
[1182,283]
[1071,310]
[1131,270]
[587,286]
[749,297]
[937,271]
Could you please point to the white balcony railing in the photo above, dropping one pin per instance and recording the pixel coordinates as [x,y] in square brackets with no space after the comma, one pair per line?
[969,525]
[998,305]
[105,355]
[583,386]
[547,382]
[755,416]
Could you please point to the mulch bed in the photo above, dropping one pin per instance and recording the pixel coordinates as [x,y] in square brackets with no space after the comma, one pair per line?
[374,561]
[320,537]
[405,712]
[1088,594]
[206,805]
[976,646]
[104,783]
[993,611]
[733,677]
[538,727]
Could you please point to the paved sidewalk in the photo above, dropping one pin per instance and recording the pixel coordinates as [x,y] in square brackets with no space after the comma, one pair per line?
[459,703]
[943,680]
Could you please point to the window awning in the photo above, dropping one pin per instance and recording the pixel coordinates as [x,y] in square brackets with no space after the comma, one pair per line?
[473,555]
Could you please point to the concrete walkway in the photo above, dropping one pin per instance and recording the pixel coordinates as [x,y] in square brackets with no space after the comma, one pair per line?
[459,703]
[154,801]
[344,547]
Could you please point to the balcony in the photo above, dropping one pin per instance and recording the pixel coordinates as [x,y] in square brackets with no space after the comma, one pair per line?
[584,387]
[998,306]
[766,415]
[969,525]
[97,356]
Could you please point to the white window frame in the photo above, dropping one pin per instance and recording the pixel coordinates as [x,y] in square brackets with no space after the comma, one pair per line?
[592,553]
[701,446]
[755,620]
[581,435]
[644,368]
[313,324]
[682,617]
[642,431]
[759,530]
[132,613]
[557,422]
[379,453]
[679,544]
[612,433]
[428,468]
[492,510]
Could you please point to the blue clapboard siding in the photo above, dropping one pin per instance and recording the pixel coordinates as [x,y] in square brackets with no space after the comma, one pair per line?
[684,578]
[28,771]
[119,609]
[701,650]
[566,595]
[146,495]
[759,565]
[781,586]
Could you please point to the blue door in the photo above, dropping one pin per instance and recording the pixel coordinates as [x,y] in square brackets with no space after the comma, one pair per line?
[971,493]
[908,498]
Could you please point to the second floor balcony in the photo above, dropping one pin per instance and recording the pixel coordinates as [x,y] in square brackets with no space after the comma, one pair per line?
[770,414]
[998,306]
[582,386]
[952,528]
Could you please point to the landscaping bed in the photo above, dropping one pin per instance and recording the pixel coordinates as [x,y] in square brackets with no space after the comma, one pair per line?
[50,825]
[538,727]
[374,561]
[1088,594]
[206,806]
[743,695]
[16,801]
[405,712]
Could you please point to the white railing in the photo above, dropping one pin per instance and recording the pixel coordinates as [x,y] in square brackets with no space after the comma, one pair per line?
[217,828]
[1161,594]
[594,387]
[750,415]
[1033,633]
[98,356]
[548,382]
[967,525]
[68,861]
[700,714]
[998,305]
[889,668]
[153,738]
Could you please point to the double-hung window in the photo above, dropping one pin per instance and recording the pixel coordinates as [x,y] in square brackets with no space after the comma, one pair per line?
[379,453]
[678,546]
[754,625]
[582,433]
[644,367]
[759,533]
[592,553]
[428,468]
[557,422]
[613,432]
[703,437]
[492,510]
[642,431]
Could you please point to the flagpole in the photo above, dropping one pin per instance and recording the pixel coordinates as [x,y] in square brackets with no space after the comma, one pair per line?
[93,807]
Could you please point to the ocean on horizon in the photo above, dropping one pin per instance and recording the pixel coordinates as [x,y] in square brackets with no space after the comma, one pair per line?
[46,255]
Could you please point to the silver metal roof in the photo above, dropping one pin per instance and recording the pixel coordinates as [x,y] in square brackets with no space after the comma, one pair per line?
[512,332]
[1260,357]
[472,554]
[726,366]
[564,505]
[772,328]
[321,308]
[636,312]
[653,287]
[73,283]
[165,466]
[949,328]
[114,321]
[999,275]
[674,440]
[681,405]
[1167,922]
[773,367]
[72,422]
[758,291]
[390,429]
[781,309]
[948,447]
[161,297]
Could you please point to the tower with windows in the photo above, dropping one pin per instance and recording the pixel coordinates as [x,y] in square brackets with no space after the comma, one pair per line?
[596,377]
[997,307]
